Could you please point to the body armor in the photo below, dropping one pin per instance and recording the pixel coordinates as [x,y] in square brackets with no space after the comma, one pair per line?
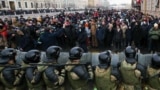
[34,80]
[153,81]
[130,81]
[102,76]
[154,73]
[51,78]
[77,82]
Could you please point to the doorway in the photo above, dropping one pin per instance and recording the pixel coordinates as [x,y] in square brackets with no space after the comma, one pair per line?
[12,5]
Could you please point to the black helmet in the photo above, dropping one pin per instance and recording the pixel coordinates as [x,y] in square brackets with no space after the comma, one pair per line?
[105,59]
[32,56]
[155,62]
[75,53]
[130,53]
[53,52]
[7,54]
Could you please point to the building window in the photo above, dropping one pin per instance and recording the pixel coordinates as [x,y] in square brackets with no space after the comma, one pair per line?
[3,4]
[45,5]
[31,5]
[41,5]
[26,4]
[19,4]
[48,5]
[36,5]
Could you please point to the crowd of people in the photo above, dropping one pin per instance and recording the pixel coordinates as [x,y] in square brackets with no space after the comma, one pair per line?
[93,29]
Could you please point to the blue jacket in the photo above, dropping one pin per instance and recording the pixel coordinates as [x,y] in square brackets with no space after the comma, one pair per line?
[48,39]
[100,33]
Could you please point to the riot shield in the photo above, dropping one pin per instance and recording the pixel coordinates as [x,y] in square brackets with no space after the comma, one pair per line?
[43,56]
[86,58]
[94,59]
[64,57]
[145,59]
[121,56]
[19,57]
[115,60]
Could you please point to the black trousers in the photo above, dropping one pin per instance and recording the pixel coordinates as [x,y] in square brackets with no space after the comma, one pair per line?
[154,45]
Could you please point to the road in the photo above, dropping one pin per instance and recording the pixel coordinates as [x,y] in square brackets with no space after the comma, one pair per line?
[37,15]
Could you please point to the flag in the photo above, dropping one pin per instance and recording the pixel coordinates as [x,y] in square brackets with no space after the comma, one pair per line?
[138,1]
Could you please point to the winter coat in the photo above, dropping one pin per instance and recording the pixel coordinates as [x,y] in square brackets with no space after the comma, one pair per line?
[93,29]
[137,34]
[129,34]
[100,33]
[26,42]
[82,36]
[145,30]
[48,39]
[109,34]
[118,35]
[154,34]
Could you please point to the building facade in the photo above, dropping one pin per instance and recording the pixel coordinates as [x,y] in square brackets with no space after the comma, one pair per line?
[82,4]
[50,4]
[91,3]
[35,4]
[136,4]
[151,7]
[101,3]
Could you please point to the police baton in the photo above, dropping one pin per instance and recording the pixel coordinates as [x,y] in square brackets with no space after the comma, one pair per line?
[46,64]
[7,65]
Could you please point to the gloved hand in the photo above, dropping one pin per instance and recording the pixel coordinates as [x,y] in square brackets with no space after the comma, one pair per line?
[74,76]
[17,81]
[33,80]
[137,73]
[23,65]
[60,80]
[113,78]
[34,76]
[91,75]
[41,68]
[90,72]
[18,77]
[63,71]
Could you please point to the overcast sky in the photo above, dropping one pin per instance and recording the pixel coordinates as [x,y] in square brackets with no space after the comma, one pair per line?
[119,1]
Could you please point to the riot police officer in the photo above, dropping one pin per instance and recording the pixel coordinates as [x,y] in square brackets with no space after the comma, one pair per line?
[104,78]
[154,73]
[132,72]
[78,75]
[11,78]
[32,75]
[53,75]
